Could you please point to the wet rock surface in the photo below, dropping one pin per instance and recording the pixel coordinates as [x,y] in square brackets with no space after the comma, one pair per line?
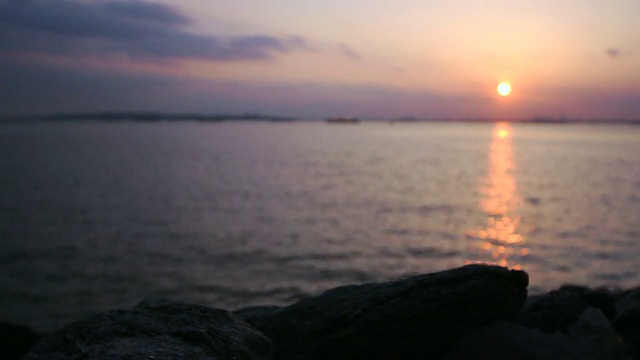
[472,312]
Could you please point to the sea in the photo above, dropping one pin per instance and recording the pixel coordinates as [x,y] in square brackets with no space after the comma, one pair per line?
[98,215]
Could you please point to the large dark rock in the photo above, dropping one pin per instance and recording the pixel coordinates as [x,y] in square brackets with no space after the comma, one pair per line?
[15,340]
[627,320]
[503,340]
[557,310]
[590,338]
[156,330]
[421,317]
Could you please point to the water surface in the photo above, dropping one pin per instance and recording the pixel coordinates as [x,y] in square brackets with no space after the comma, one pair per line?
[97,215]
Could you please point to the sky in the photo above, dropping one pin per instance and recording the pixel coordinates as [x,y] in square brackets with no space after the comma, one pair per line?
[312,58]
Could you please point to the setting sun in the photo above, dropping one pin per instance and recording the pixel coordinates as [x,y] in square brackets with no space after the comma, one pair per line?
[504,89]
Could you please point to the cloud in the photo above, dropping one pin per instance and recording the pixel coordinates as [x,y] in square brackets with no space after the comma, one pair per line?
[44,88]
[347,51]
[134,28]
[48,88]
[612,52]
[147,11]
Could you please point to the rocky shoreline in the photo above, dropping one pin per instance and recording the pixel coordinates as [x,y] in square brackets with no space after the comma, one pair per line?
[472,312]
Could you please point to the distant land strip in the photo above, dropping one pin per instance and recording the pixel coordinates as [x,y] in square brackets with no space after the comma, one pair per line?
[150,116]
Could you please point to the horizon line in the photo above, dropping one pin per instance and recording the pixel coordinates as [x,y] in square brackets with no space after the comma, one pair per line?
[151,115]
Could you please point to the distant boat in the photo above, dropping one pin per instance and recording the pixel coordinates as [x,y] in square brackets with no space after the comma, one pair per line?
[343,120]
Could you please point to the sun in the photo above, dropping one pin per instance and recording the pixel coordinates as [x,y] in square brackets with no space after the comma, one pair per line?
[504,89]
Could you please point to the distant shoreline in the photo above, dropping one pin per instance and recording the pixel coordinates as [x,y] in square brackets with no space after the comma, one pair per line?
[159,116]
[144,117]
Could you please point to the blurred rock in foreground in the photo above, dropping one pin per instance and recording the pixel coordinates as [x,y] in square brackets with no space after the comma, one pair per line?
[590,338]
[416,318]
[15,340]
[156,330]
[472,312]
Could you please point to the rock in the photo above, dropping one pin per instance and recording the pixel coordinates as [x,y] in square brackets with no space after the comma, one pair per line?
[595,339]
[15,340]
[420,317]
[156,330]
[591,338]
[627,320]
[502,340]
[559,309]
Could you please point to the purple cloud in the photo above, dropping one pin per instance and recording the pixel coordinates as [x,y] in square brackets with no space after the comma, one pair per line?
[135,28]
[146,11]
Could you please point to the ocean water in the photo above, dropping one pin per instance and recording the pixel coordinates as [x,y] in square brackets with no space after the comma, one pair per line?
[97,215]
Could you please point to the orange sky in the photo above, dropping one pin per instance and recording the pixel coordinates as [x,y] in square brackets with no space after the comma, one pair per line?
[577,59]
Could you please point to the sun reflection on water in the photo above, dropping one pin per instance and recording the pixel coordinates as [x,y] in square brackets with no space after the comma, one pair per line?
[498,241]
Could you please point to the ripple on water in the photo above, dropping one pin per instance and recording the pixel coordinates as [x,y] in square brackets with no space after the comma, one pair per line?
[247,213]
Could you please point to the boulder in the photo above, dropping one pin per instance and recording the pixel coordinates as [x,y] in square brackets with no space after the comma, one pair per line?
[15,340]
[594,338]
[503,340]
[156,329]
[420,317]
[627,320]
[557,310]
[590,338]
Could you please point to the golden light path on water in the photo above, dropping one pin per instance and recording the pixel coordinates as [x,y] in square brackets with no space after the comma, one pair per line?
[498,241]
